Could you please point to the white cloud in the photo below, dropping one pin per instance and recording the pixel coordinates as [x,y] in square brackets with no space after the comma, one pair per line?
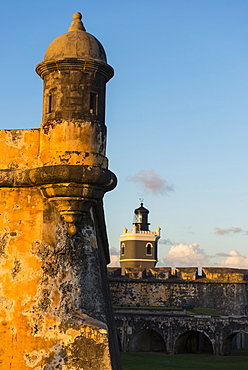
[186,256]
[234,259]
[114,261]
[152,182]
[191,255]
[114,257]
[113,251]
[183,255]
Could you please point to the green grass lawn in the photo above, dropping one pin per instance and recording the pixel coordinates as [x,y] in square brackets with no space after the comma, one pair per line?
[164,308]
[193,311]
[202,311]
[159,361]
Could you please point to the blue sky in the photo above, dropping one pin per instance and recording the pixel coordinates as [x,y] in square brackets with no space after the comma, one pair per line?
[176,112]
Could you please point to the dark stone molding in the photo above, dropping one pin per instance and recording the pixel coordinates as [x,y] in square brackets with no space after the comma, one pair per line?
[67,64]
[58,174]
[72,189]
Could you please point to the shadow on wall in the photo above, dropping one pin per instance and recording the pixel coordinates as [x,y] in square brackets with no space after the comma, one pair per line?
[147,340]
[193,342]
[234,341]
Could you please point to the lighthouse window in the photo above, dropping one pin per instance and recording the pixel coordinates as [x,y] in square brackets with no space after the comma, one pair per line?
[93,103]
[123,248]
[148,249]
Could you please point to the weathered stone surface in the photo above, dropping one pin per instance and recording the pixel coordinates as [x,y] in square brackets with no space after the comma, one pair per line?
[187,273]
[172,328]
[19,149]
[225,274]
[150,309]
[225,290]
[55,310]
[159,273]
[50,287]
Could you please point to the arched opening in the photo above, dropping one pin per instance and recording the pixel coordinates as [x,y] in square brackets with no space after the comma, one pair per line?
[148,249]
[147,340]
[193,342]
[236,340]
[93,103]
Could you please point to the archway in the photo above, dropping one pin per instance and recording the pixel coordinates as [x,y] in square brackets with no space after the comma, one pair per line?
[193,341]
[236,340]
[147,340]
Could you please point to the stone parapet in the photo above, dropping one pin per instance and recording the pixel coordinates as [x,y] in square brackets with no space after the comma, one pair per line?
[209,274]
[230,275]
[187,273]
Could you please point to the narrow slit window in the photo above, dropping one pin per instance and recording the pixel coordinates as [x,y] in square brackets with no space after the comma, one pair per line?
[50,103]
[123,248]
[93,103]
[149,249]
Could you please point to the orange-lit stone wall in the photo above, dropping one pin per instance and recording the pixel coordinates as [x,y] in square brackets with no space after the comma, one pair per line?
[55,310]
[19,148]
[52,305]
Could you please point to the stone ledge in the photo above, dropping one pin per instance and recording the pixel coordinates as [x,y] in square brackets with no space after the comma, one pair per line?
[66,64]
[58,174]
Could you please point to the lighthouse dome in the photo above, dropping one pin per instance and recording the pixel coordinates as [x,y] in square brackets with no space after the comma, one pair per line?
[141,218]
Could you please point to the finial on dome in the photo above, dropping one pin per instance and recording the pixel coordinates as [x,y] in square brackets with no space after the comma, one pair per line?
[77,24]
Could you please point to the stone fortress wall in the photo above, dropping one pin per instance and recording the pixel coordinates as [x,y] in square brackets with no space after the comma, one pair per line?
[222,289]
[156,309]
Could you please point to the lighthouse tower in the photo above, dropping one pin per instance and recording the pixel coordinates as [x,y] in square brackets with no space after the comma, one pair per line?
[138,247]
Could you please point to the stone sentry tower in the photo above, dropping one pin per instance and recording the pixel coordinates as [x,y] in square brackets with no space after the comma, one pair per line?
[54,297]
[138,247]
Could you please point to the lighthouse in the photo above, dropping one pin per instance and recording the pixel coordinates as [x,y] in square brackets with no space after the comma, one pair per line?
[139,247]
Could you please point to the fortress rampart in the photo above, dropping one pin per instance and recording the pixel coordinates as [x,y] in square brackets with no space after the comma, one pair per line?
[224,290]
